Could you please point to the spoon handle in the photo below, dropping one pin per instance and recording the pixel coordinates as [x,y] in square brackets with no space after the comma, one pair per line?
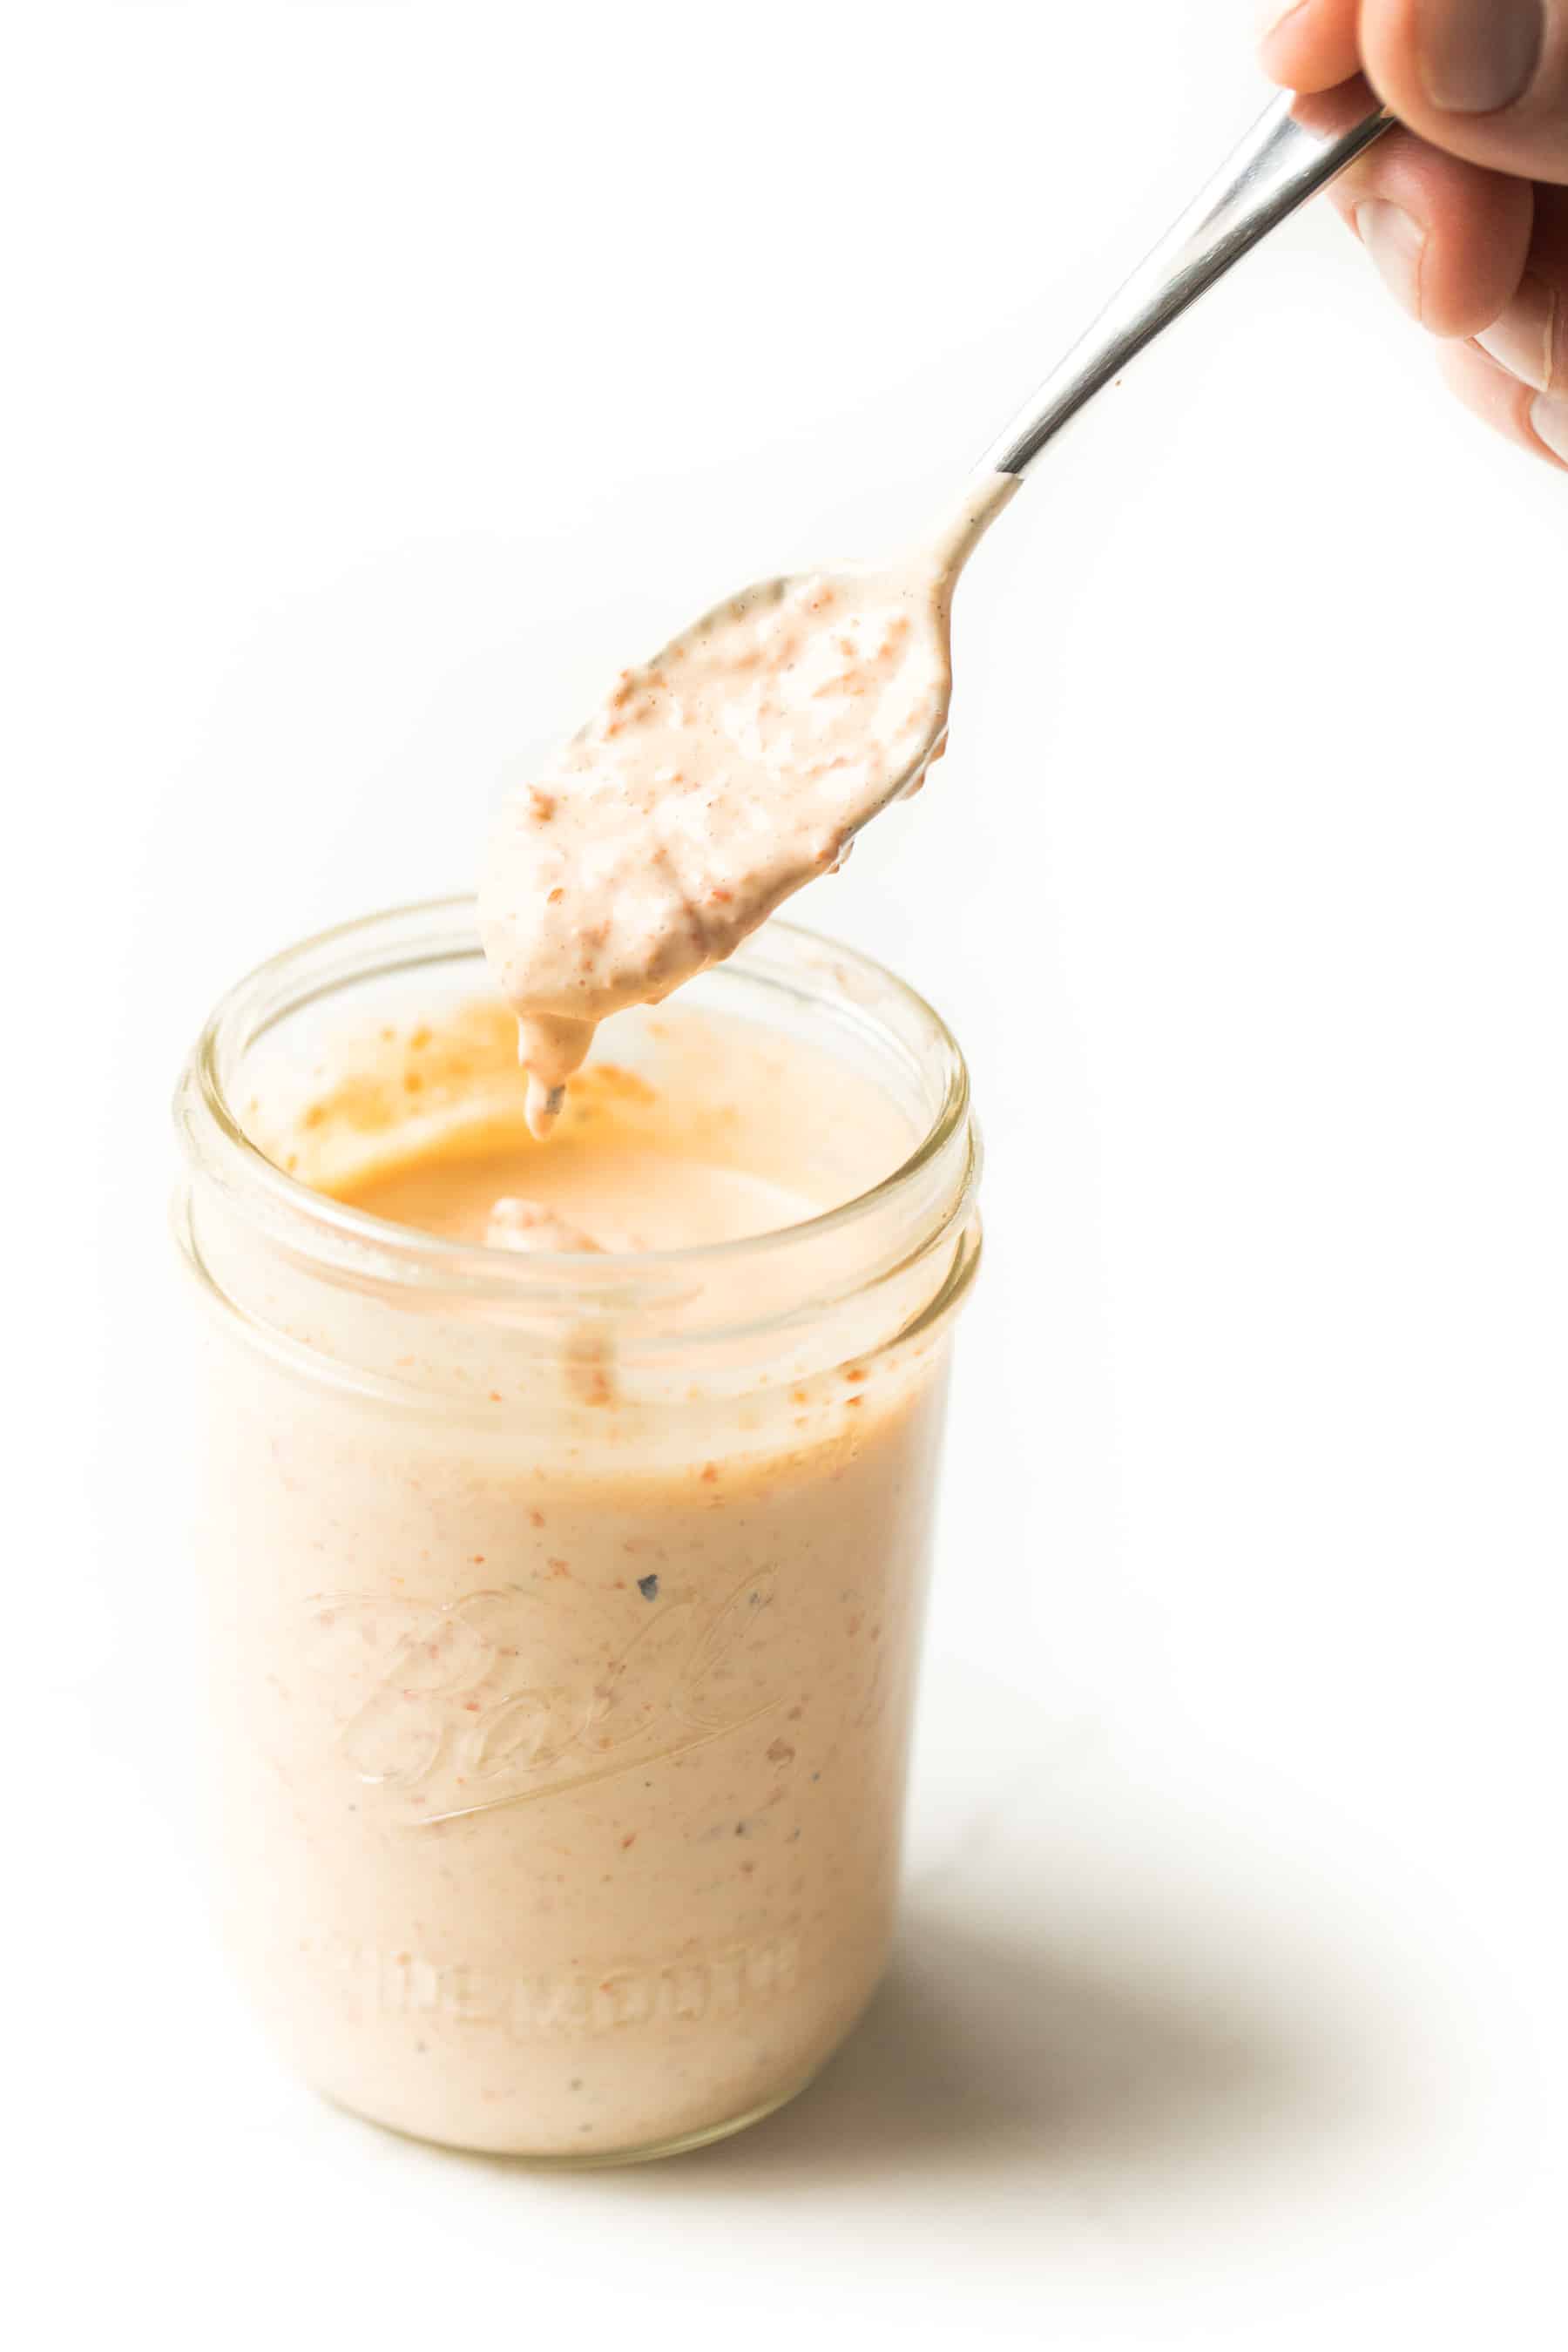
[1292,151]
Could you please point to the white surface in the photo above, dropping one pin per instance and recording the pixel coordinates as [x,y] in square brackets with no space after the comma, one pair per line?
[381,377]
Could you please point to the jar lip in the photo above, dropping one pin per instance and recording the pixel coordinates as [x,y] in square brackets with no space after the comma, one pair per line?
[442,930]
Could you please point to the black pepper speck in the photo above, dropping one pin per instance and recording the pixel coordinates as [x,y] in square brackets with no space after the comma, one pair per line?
[648,1587]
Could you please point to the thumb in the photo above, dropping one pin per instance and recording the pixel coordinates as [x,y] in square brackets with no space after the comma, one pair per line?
[1487,79]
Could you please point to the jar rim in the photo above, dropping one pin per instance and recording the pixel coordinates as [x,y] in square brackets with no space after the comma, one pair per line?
[439,931]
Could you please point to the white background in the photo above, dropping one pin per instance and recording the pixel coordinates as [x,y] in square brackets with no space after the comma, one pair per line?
[381,378]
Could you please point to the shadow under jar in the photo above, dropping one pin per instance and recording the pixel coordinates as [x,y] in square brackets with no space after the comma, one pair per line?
[566,1608]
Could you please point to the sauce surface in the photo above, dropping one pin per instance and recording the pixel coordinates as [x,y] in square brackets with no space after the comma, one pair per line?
[608,1190]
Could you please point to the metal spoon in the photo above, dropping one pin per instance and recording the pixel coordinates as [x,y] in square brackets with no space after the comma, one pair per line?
[1293,149]
[1298,146]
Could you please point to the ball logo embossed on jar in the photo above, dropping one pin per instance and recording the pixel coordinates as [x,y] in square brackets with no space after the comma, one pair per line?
[461,1708]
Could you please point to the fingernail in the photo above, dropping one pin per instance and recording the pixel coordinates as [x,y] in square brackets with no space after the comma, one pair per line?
[1548,415]
[1398,246]
[1271,15]
[1524,340]
[1479,55]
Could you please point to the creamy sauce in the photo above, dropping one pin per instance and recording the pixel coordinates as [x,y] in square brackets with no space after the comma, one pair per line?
[564,1707]
[712,784]
[608,1187]
[525,1225]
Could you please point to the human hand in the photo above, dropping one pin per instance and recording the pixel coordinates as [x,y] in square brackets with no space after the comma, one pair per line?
[1465,207]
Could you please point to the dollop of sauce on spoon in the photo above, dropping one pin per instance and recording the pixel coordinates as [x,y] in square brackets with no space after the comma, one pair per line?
[714,782]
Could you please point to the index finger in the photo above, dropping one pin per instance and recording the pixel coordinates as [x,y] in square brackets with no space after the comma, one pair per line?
[1309,44]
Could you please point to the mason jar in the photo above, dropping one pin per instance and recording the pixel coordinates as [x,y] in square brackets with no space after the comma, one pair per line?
[565,1610]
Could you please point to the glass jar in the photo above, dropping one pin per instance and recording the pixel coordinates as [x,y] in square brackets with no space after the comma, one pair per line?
[566,1610]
